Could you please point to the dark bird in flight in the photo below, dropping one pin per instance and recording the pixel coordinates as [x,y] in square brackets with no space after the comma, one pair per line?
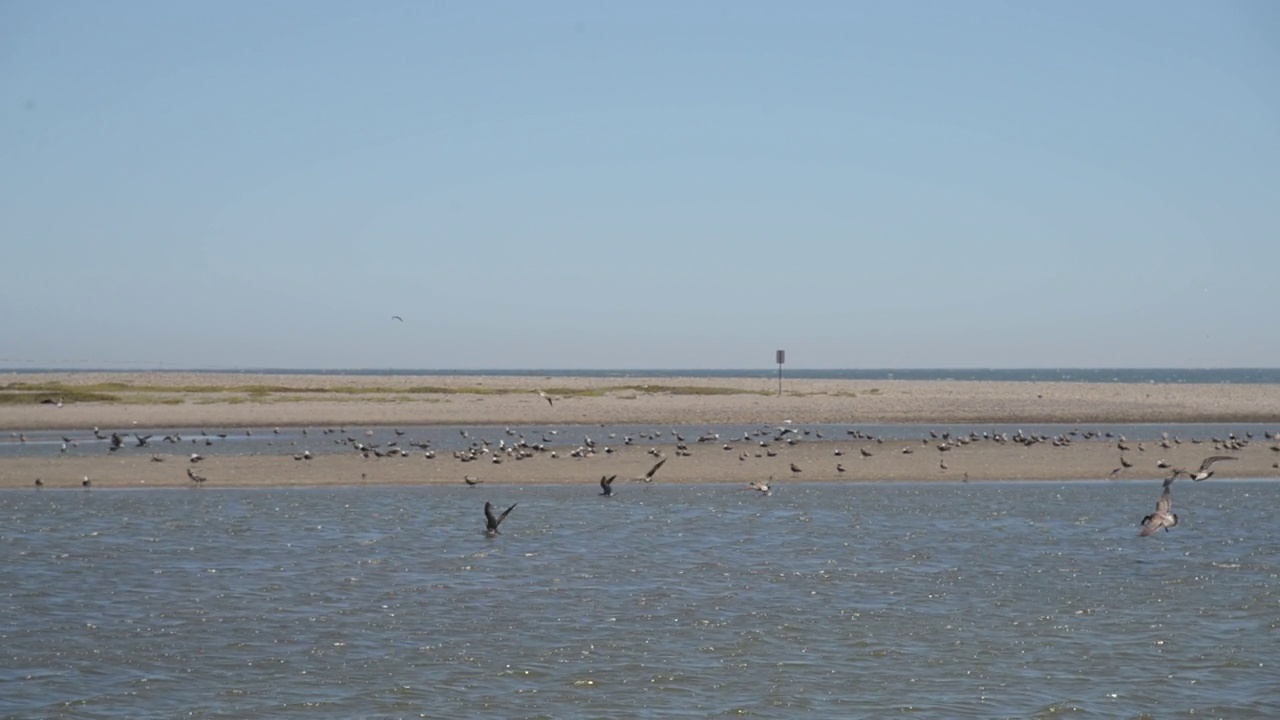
[648,477]
[546,397]
[1204,473]
[606,484]
[491,521]
[397,317]
[1162,517]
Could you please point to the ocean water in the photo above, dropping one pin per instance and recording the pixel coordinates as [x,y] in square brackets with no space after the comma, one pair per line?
[695,601]
[1089,375]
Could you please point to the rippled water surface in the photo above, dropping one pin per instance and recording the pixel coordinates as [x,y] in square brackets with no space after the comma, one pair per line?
[821,601]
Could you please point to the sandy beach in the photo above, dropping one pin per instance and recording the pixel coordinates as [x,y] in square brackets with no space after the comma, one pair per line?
[177,401]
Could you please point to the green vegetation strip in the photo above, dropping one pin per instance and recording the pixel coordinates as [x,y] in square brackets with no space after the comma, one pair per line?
[26,393]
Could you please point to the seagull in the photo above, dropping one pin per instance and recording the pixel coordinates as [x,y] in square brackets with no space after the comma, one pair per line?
[471,480]
[1204,473]
[546,397]
[491,521]
[606,484]
[397,317]
[197,479]
[648,477]
[761,487]
[1162,517]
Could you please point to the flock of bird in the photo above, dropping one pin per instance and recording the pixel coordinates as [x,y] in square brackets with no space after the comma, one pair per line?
[764,439]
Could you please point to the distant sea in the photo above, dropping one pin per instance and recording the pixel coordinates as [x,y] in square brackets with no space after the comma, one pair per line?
[1229,376]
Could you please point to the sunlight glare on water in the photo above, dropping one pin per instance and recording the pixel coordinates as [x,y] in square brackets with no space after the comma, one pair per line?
[822,600]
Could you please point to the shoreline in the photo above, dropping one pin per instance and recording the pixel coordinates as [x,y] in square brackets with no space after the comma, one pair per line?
[182,401]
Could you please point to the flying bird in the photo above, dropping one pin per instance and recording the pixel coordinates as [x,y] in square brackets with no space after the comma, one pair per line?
[606,484]
[491,521]
[397,317]
[546,397]
[1162,517]
[1204,473]
[197,479]
[648,477]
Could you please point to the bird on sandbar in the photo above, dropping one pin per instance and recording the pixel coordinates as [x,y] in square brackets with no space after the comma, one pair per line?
[197,479]
[795,468]
[606,484]
[491,521]
[1162,517]
[648,477]
[39,483]
[86,482]
[470,480]
[1204,473]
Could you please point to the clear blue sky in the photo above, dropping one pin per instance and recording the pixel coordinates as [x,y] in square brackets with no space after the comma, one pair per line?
[639,185]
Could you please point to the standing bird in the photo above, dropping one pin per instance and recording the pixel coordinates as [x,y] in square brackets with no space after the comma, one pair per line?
[1204,473]
[473,481]
[491,521]
[795,468]
[86,482]
[606,484]
[648,477]
[1162,517]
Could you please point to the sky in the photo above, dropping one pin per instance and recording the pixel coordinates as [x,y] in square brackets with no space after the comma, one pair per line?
[653,185]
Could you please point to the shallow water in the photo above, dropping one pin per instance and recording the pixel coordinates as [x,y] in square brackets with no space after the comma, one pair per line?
[978,600]
[447,438]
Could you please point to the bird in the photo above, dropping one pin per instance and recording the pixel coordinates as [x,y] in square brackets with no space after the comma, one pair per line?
[761,487]
[1204,473]
[86,482]
[491,521]
[795,468]
[468,479]
[397,317]
[39,483]
[197,479]
[546,397]
[1162,517]
[648,477]
[606,484]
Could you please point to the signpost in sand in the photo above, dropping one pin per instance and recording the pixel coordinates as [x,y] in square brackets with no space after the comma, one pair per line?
[782,357]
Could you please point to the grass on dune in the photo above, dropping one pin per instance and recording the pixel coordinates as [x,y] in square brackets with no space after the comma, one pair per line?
[31,393]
